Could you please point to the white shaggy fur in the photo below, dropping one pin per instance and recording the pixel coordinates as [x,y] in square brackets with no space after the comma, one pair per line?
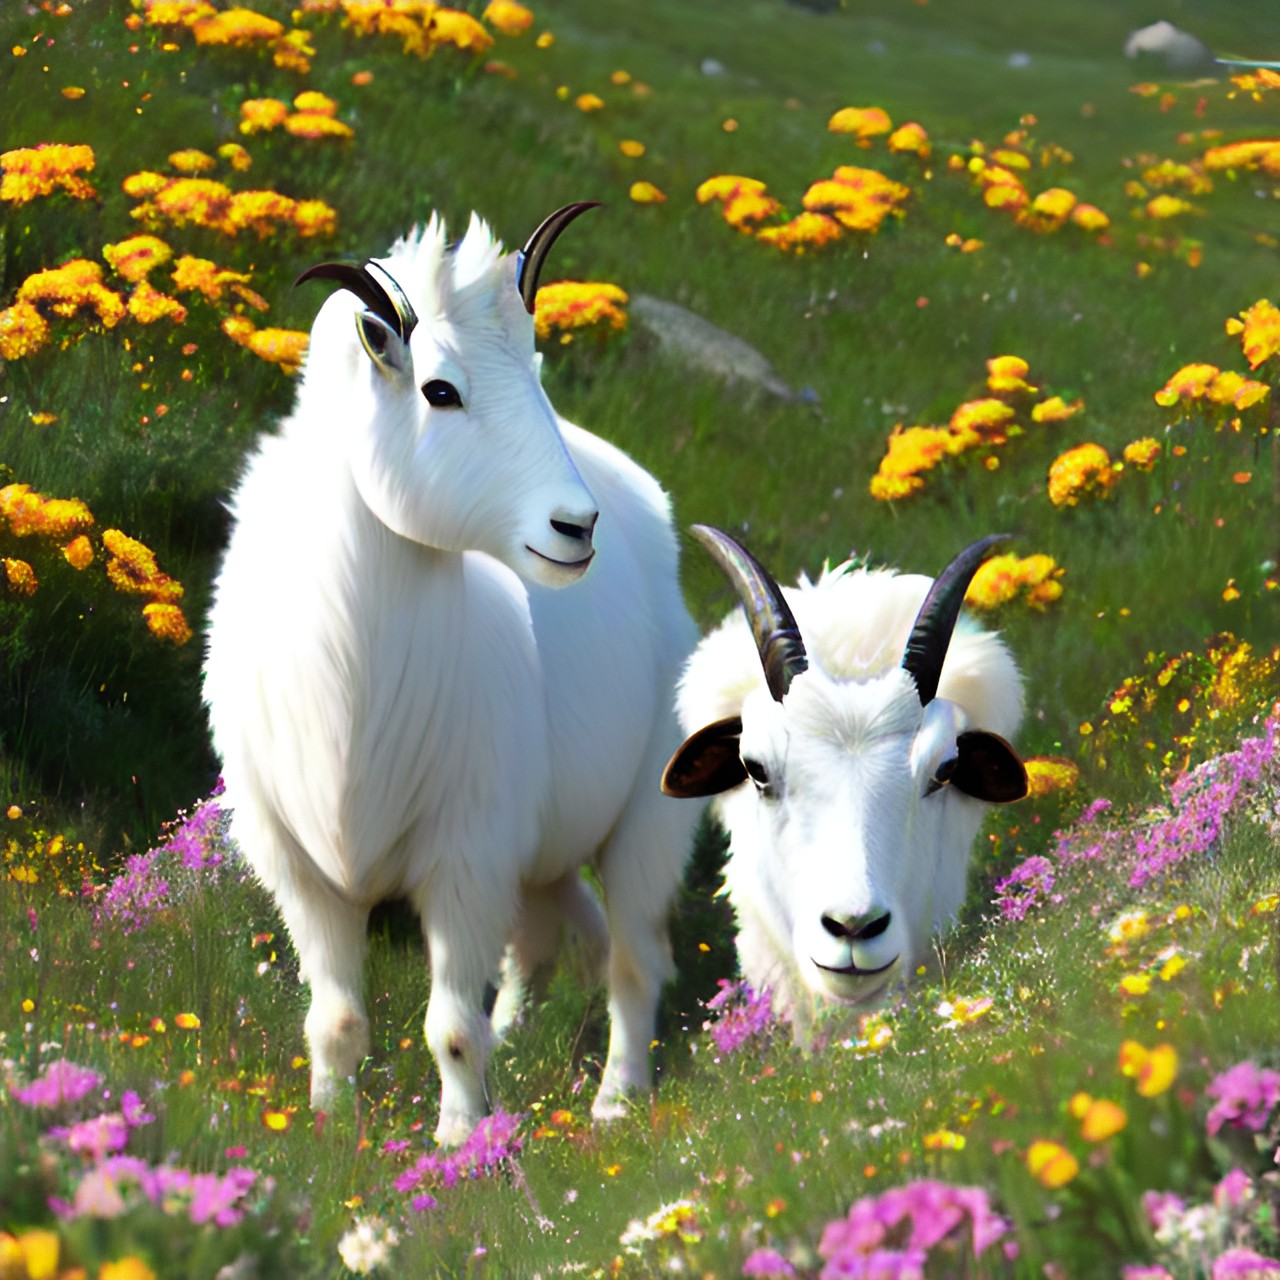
[847,833]
[406,707]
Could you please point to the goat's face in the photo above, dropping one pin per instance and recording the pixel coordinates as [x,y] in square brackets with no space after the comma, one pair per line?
[850,804]
[437,403]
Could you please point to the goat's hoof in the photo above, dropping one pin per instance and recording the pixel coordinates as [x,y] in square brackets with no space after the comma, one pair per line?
[615,1106]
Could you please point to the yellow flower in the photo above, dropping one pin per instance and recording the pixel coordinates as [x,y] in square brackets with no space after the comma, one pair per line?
[805,230]
[191,161]
[187,1021]
[32,172]
[1153,1069]
[1089,217]
[236,155]
[237,27]
[1189,383]
[588,102]
[571,304]
[864,123]
[166,621]
[312,103]
[79,552]
[631,149]
[1166,206]
[646,193]
[21,576]
[285,347]
[1055,409]
[1002,577]
[1006,374]
[259,114]
[1081,471]
[32,1256]
[508,17]
[1129,927]
[726,185]
[859,199]
[984,418]
[1135,984]
[1047,775]
[129,1267]
[747,207]
[944,1140]
[1102,1120]
[1142,454]
[147,305]
[960,1011]
[316,124]
[1051,1164]
[911,138]
[1049,210]
[23,331]
[1259,328]
[451,26]
[73,285]
[1256,154]
[134,257]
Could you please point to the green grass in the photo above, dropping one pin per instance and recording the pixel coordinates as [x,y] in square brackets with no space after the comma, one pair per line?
[102,733]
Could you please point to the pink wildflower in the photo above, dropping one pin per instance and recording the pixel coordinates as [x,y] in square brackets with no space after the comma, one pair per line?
[1245,1097]
[742,1015]
[62,1082]
[767,1262]
[1243,1264]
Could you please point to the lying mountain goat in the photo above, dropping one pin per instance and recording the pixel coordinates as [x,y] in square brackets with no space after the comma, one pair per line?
[850,788]
[404,705]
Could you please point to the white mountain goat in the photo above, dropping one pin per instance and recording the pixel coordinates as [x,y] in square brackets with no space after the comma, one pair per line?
[850,765]
[404,703]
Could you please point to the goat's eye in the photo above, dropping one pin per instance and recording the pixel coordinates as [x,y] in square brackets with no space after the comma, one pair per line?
[441,394]
[759,775]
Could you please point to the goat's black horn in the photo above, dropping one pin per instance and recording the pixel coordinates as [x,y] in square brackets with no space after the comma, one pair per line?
[772,623]
[383,297]
[529,260]
[927,645]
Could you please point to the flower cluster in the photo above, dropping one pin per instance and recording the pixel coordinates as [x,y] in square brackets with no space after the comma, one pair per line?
[570,305]
[1037,578]
[285,347]
[742,1015]
[989,421]
[493,1143]
[423,26]
[203,202]
[1259,330]
[29,173]
[1216,391]
[1083,471]
[313,116]
[238,28]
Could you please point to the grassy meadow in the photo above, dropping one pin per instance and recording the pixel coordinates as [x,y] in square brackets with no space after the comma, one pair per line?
[1015,283]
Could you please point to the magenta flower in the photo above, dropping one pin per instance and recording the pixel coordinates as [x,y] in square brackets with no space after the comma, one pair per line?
[98,1137]
[1243,1264]
[62,1082]
[1233,1190]
[1162,1207]
[196,840]
[1026,886]
[1245,1097]
[135,895]
[766,1262]
[742,1015]
[1137,1271]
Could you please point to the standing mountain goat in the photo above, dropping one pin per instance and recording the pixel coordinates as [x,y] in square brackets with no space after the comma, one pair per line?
[405,704]
[850,766]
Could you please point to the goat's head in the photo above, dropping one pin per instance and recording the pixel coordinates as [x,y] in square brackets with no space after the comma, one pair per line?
[437,404]
[850,803]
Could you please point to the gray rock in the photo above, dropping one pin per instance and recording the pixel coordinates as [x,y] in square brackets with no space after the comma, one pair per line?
[696,343]
[1173,48]
[712,67]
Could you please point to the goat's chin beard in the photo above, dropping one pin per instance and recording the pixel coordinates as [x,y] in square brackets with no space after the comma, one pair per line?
[548,572]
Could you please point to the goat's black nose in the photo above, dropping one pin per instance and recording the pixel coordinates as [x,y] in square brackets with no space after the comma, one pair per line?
[857,928]
[581,531]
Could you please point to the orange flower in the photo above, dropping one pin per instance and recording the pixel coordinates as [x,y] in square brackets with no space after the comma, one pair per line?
[1051,1164]
[1079,472]
[23,331]
[191,160]
[1259,328]
[864,123]
[259,114]
[1055,409]
[32,172]
[1089,217]
[1049,210]
[1102,1119]
[910,137]
[571,304]
[21,576]
[508,17]
[134,257]
[726,185]
[589,102]
[1142,454]
[985,419]
[646,193]
[1047,775]
[803,231]
[450,26]
[1006,374]
[1189,383]
[1153,1069]
[630,148]
[79,552]
[1166,206]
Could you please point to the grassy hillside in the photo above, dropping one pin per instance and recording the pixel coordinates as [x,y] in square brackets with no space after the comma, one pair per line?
[1147,623]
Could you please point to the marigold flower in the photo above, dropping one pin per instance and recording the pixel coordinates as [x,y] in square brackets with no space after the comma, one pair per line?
[1079,472]
[32,172]
[23,331]
[726,185]
[1047,775]
[803,231]
[745,207]
[859,199]
[258,115]
[1259,328]
[646,193]
[130,1267]
[133,258]
[75,284]
[1102,1120]
[957,241]
[285,347]
[1153,1069]
[1051,1164]
[1262,153]
[1000,579]
[632,149]
[1007,374]
[508,17]
[79,552]
[450,26]
[177,13]
[313,124]
[571,304]
[313,218]
[1167,206]
[864,123]
[1189,383]
[1088,217]
[985,418]
[1142,454]
[21,576]
[1049,210]
[199,275]
[1055,409]
[235,155]
[910,137]
[237,27]
[147,305]
[191,161]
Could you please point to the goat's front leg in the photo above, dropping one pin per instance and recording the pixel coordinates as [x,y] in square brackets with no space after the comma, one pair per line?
[465,947]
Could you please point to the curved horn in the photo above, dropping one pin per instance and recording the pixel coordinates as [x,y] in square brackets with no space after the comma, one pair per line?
[386,300]
[772,623]
[530,259]
[927,645]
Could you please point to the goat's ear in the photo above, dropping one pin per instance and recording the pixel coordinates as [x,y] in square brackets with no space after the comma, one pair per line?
[988,768]
[707,762]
